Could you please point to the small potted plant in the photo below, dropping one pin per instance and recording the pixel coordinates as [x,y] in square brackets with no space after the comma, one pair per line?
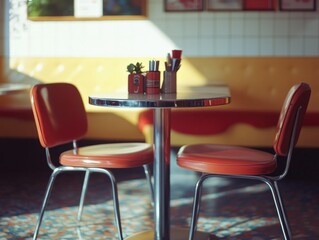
[135,78]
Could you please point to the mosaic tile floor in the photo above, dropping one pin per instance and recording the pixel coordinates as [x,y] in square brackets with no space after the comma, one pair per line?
[231,209]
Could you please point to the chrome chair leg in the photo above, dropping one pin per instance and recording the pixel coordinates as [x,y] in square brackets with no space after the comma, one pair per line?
[84,188]
[45,201]
[283,210]
[115,202]
[78,231]
[196,206]
[58,170]
[272,184]
[280,209]
[148,175]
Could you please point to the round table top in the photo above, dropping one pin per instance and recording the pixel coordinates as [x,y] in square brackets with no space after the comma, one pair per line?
[188,97]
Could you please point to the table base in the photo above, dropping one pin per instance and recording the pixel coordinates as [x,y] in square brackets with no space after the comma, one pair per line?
[176,234]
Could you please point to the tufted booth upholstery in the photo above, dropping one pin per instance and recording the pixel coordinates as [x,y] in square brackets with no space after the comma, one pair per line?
[258,86]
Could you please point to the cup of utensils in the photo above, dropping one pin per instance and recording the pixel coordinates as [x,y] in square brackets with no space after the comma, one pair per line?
[172,65]
[152,77]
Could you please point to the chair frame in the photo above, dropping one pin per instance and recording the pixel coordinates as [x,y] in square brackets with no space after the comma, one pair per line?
[87,170]
[271,181]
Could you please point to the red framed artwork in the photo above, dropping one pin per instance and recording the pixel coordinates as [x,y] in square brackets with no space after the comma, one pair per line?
[260,5]
[224,5]
[183,5]
[297,5]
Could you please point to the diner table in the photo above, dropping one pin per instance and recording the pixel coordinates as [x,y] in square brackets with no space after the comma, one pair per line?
[188,97]
[11,88]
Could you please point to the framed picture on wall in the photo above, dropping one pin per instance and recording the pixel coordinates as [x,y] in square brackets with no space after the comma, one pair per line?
[224,5]
[297,5]
[259,5]
[62,10]
[183,5]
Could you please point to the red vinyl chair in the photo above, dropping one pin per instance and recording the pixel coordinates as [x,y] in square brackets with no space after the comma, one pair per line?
[60,119]
[242,162]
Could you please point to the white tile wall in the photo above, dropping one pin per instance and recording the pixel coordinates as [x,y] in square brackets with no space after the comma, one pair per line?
[296,46]
[266,47]
[2,32]
[197,33]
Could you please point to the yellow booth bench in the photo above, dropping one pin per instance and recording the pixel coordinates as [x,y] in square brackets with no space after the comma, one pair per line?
[258,87]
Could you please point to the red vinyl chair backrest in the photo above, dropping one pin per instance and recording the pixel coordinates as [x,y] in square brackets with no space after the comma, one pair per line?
[298,97]
[59,113]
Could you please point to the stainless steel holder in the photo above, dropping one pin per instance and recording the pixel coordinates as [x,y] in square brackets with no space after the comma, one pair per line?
[169,82]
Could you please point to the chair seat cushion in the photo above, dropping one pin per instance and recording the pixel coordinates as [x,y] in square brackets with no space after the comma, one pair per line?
[115,155]
[221,159]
